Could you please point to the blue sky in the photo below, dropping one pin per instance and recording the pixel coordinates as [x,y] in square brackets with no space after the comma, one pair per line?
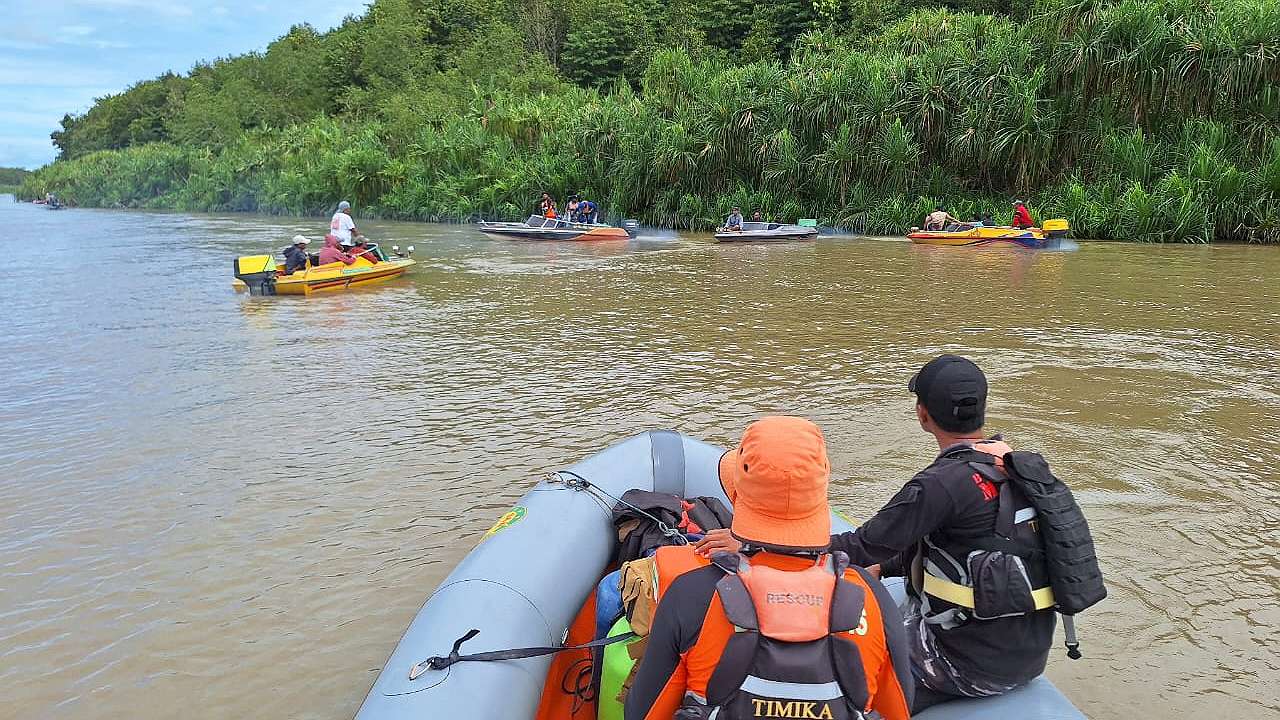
[56,56]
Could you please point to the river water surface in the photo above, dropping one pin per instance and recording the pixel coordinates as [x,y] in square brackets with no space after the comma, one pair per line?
[221,507]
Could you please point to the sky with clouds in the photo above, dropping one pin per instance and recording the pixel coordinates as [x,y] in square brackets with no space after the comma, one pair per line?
[56,56]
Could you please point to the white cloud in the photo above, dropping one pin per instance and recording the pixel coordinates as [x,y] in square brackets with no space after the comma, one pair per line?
[160,7]
[78,31]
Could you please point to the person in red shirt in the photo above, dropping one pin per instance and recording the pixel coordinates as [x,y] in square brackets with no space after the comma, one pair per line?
[1021,216]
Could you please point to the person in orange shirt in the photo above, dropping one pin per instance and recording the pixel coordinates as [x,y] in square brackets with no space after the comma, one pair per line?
[783,628]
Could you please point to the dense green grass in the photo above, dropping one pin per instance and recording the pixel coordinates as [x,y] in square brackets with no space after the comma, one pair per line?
[1134,119]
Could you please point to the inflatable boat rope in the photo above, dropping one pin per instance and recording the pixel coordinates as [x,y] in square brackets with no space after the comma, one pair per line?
[577,482]
[574,482]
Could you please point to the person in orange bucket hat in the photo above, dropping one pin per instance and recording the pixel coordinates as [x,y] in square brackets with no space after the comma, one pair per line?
[782,628]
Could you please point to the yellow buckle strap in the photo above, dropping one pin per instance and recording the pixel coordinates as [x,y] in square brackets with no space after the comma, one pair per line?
[962,595]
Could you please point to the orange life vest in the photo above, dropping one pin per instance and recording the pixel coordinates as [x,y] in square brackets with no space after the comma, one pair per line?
[825,618]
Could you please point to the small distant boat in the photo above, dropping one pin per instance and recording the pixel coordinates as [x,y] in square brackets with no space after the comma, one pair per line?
[981,236]
[53,205]
[768,232]
[542,228]
[260,275]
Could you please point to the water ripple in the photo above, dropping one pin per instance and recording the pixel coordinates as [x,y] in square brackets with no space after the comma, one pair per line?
[243,502]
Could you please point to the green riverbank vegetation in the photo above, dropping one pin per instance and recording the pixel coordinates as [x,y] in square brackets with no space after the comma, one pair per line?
[1151,120]
[11,180]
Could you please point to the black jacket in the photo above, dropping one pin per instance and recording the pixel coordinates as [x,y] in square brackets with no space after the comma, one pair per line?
[295,258]
[945,502]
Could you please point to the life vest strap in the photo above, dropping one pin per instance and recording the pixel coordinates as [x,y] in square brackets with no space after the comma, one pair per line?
[962,595]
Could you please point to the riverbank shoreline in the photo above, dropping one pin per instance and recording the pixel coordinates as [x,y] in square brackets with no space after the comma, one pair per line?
[826,232]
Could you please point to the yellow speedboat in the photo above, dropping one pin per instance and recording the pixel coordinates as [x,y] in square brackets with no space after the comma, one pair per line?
[260,276]
[978,236]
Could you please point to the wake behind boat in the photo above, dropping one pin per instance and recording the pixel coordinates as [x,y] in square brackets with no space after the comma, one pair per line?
[544,228]
[767,232]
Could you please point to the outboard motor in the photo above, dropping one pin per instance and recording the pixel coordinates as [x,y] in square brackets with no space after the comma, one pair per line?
[1057,228]
[631,226]
[258,272]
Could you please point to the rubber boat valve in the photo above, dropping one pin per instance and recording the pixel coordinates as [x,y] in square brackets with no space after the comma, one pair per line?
[440,663]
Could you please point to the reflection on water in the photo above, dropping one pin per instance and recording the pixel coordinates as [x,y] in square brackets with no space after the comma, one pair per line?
[234,506]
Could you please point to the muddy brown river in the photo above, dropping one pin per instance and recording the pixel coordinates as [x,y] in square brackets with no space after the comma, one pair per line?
[220,507]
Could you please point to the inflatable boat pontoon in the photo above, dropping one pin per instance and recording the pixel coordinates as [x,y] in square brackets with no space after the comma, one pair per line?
[531,582]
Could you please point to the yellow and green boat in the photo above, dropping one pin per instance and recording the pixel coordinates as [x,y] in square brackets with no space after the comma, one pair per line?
[260,275]
[965,235]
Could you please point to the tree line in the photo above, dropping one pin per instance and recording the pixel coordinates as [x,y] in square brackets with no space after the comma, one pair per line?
[11,179]
[1154,120]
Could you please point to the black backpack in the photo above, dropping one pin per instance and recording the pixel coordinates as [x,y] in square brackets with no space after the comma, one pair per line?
[648,520]
[1068,546]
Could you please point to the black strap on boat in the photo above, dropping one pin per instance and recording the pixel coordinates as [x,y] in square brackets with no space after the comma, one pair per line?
[440,663]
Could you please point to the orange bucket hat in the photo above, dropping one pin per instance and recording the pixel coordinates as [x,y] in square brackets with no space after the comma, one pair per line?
[777,481]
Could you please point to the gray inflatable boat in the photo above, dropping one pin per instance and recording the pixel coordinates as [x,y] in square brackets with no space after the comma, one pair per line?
[529,578]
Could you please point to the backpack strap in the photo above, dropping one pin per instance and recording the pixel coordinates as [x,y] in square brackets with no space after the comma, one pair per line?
[848,612]
[740,652]
[733,593]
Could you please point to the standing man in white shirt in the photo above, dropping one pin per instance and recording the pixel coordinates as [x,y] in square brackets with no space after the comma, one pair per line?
[342,226]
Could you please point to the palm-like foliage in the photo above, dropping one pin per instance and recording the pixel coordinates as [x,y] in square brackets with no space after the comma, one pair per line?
[1143,119]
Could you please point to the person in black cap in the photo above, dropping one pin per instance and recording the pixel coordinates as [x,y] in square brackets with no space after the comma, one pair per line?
[932,530]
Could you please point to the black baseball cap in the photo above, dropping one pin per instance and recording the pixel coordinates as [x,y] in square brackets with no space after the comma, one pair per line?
[954,391]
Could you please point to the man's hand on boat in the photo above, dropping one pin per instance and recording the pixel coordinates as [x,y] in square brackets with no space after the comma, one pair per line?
[717,541]
[721,540]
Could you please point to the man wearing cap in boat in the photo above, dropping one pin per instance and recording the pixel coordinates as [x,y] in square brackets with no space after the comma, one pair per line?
[955,527]
[295,256]
[1022,216]
[783,628]
[342,226]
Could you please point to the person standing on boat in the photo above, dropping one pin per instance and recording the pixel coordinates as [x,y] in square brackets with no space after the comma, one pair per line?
[295,256]
[1022,216]
[547,207]
[342,226]
[571,208]
[959,517]
[587,212]
[781,629]
[734,222]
